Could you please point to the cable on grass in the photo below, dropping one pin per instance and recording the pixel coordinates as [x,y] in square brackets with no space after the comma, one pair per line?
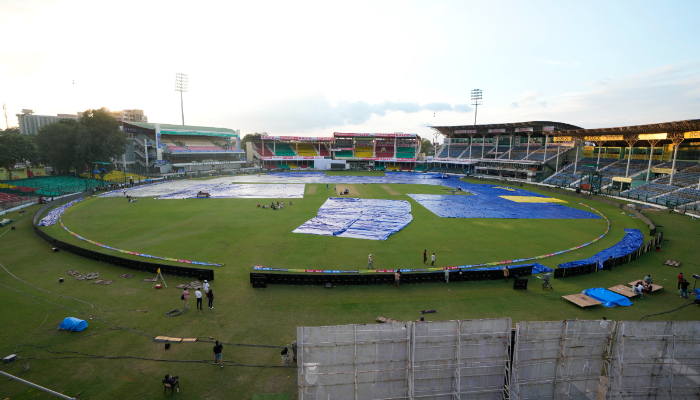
[646,317]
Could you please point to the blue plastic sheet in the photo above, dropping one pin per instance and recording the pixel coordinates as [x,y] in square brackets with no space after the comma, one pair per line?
[537,268]
[488,206]
[73,324]
[632,240]
[608,298]
[359,218]
[54,215]
[234,191]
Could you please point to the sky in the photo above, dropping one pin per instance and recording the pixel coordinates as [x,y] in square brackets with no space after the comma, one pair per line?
[314,68]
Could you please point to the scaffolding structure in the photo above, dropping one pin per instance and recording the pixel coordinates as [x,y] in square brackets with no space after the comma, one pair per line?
[351,362]
[559,359]
[460,359]
[422,360]
[655,360]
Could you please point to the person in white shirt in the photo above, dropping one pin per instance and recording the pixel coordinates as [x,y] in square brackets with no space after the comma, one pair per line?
[206,286]
[198,295]
[432,259]
[369,262]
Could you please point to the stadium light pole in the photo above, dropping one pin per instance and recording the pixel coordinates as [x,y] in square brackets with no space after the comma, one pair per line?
[476,96]
[181,86]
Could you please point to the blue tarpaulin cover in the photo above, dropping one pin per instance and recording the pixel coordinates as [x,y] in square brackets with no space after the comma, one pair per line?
[537,268]
[608,298]
[632,240]
[73,324]
[359,218]
[484,205]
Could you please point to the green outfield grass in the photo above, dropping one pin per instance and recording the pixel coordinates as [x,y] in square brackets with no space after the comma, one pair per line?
[234,231]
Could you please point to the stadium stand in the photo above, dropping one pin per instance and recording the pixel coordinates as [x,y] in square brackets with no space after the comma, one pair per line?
[306,149]
[119,176]
[343,153]
[322,150]
[170,143]
[199,144]
[685,177]
[264,151]
[405,152]
[50,186]
[455,150]
[283,150]
[385,149]
[363,151]
[679,197]
[420,167]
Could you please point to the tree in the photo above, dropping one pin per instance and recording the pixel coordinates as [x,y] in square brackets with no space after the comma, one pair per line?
[57,144]
[16,148]
[98,138]
[12,129]
[425,146]
[251,137]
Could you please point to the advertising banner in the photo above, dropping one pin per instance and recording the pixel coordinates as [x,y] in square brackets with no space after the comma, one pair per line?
[523,129]
[267,137]
[661,170]
[621,179]
[198,133]
[497,130]
[547,129]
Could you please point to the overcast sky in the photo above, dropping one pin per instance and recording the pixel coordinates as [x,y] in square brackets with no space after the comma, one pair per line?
[312,68]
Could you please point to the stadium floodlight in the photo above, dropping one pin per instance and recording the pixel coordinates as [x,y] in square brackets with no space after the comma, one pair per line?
[476,96]
[181,86]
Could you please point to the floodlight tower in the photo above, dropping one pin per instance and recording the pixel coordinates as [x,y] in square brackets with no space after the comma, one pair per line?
[181,86]
[476,96]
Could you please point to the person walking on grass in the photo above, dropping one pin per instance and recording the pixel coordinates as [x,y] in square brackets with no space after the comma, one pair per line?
[186,297]
[447,275]
[684,288]
[218,350]
[397,278]
[369,262]
[210,296]
[680,280]
[205,286]
[198,295]
[506,274]
[432,260]
[425,256]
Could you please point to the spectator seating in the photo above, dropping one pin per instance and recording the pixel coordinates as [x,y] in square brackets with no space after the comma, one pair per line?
[264,151]
[322,150]
[420,167]
[306,150]
[385,150]
[343,153]
[406,152]
[649,190]
[682,196]
[283,150]
[363,151]
[685,177]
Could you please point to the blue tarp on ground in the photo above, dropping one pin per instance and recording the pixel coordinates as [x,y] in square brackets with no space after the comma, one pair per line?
[608,298]
[359,218]
[632,240]
[73,324]
[490,206]
[537,268]
[54,215]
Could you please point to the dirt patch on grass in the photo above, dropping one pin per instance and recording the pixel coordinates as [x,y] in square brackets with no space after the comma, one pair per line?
[390,190]
[310,189]
[351,188]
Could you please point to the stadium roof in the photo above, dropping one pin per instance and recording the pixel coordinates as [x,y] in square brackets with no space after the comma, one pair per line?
[149,125]
[664,127]
[510,128]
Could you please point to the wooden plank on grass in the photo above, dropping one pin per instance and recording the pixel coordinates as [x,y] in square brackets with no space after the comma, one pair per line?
[654,287]
[623,290]
[582,300]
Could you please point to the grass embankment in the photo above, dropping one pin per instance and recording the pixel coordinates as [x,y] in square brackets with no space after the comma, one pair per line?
[270,316]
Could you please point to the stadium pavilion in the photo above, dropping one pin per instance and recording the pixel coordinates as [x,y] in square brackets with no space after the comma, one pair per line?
[655,162]
[165,148]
